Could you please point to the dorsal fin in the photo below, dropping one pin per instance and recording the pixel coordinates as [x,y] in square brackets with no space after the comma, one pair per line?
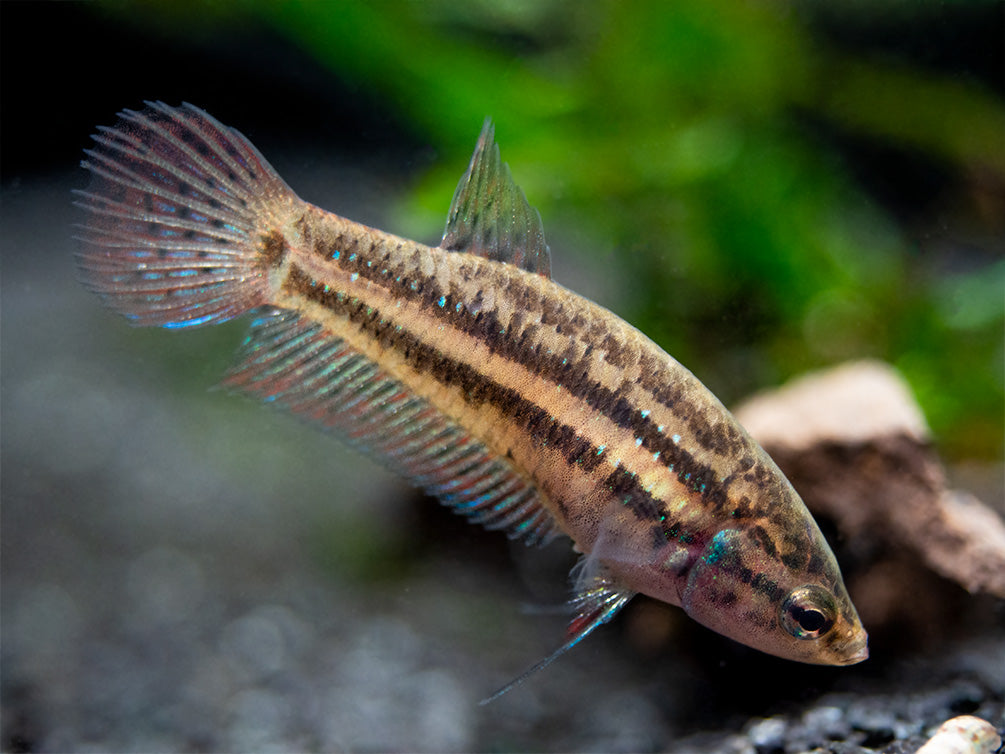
[490,215]
[597,599]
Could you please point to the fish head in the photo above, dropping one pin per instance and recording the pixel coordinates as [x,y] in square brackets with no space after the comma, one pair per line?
[789,604]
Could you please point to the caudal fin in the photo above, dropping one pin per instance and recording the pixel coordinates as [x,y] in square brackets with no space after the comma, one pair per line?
[178,205]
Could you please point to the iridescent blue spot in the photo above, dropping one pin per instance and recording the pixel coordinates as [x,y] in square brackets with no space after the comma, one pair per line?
[458,307]
[638,442]
[442,302]
[336,254]
[601,449]
[645,413]
[354,277]
[717,548]
[352,257]
[676,439]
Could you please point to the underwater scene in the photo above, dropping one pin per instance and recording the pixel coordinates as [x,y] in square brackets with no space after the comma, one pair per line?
[502,376]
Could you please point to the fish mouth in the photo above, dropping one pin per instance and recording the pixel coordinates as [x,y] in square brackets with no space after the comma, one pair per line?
[862,653]
[855,650]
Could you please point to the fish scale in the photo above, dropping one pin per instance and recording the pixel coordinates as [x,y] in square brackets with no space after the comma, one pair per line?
[484,364]
[469,371]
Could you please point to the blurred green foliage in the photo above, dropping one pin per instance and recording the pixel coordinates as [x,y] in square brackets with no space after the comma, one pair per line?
[692,138]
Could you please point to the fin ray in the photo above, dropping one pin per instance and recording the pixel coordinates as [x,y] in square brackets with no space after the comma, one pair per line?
[490,216]
[173,208]
[296,365]
[597,600]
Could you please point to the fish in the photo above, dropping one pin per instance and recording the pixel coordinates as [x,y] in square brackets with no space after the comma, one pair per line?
[468,370]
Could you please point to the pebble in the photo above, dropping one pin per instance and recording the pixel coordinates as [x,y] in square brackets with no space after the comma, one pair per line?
[963,735]
[768,734]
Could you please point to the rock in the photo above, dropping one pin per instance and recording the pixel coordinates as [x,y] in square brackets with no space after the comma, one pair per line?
[963,735]
[854,444]
[768,735]
[847,405]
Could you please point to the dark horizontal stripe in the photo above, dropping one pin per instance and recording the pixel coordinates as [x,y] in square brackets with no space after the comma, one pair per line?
[569,369]
[543,428]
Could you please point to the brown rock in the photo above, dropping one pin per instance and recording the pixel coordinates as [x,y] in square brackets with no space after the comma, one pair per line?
[854,444]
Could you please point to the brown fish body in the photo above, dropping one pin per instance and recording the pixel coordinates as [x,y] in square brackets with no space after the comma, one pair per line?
[519,368]
[512,399]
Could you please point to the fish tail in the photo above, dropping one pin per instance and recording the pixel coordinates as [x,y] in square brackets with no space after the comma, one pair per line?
[176,210]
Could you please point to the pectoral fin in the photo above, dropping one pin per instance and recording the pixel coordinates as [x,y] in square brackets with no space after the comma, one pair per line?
[597,601]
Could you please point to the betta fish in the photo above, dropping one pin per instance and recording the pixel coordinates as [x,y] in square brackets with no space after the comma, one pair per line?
[469,371]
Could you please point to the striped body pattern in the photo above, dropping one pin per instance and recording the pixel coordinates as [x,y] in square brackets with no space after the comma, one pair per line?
[468,370]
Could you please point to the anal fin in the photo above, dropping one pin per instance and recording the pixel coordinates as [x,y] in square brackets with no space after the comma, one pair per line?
[596,601]
[295,364]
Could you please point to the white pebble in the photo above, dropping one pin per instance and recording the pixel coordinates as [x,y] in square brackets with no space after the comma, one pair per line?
[768,733]
[963,735]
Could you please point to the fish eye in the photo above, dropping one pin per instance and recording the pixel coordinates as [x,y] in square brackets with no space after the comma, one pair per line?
[808,612]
